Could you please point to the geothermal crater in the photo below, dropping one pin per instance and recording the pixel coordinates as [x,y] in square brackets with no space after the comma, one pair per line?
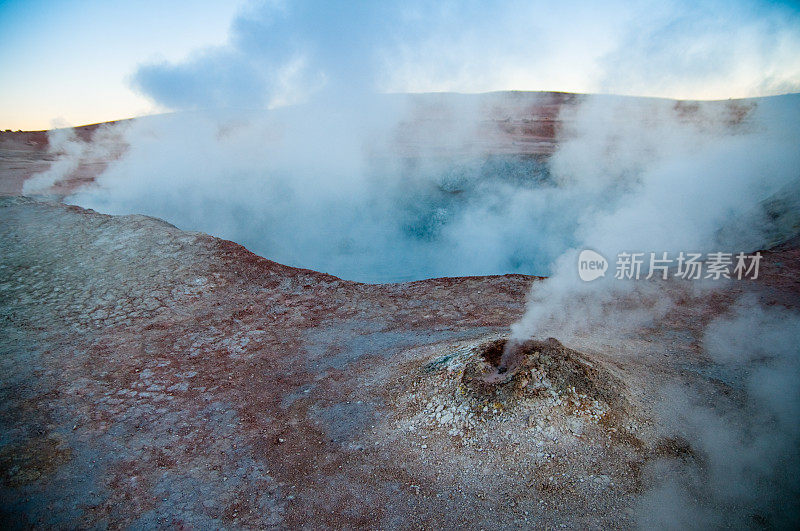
[179,380]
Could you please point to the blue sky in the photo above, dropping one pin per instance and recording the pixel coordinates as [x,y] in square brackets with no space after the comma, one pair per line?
[79,62]
[72,60]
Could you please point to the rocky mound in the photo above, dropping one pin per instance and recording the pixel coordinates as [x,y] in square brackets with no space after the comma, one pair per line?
[509,371]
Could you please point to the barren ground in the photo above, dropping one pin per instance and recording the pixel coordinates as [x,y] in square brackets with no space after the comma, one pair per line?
[151,377]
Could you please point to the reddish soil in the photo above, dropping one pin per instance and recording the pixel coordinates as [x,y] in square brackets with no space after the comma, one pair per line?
[151,377]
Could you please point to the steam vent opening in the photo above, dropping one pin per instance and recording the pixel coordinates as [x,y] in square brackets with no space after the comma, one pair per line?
[506,371]
[492,353]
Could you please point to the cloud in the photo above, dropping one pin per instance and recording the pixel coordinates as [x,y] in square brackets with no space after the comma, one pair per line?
[706,49]
[275,49]
[285,52]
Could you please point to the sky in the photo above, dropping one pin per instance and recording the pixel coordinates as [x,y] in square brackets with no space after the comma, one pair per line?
[72,62]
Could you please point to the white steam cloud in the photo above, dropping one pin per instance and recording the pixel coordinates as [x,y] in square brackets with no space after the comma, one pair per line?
[665,178]
[680,177]
[379,192]
[283,52]
[74,157]
[743,473]
[67,150]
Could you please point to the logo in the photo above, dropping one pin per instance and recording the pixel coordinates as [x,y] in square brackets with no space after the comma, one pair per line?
[591,265]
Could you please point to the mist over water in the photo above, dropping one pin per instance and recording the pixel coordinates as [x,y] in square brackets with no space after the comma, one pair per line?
[337,190]
[388,188]
[405,188]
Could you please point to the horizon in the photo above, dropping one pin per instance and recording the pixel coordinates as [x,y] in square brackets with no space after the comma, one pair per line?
[76,63]
[169,112]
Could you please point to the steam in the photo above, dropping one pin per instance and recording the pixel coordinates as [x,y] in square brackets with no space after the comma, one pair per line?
[744,473]
[720,178]
[322,182]
[394,189]
[67,149]
[664,180]
[402,187]
[70,152]
[287,52]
